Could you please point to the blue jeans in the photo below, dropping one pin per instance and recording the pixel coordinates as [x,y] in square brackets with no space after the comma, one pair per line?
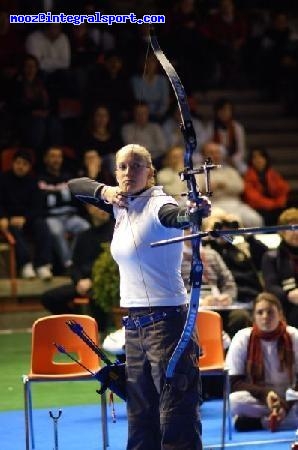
[39,233]
[59,226]
[161,417]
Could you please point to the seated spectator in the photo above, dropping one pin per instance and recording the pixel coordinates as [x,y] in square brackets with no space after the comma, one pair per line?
[262,365]
[174,136]
[61,210]
[152,88]
[51,47]
[227,131]
[145,133]
[31,106]
[21,212]
[168,176]
[108,83]
[242,258]
[265,189]
[92,167]
[100,135]
[87,248]
[227,187]
[280,268]
[218,288]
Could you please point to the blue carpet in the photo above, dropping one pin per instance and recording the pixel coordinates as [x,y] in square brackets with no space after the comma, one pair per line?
[79,429]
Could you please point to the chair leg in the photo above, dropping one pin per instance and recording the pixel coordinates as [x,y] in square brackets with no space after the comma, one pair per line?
[104,421]
[229,408]
[31,415]
[26,406]
[224,412]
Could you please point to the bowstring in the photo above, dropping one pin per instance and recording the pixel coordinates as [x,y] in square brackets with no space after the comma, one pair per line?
[135,196]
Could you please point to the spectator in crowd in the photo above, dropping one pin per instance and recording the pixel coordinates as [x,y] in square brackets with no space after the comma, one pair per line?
[100,134]
[108,83]
[87,248]
[31,106]
[280,268]
[92,167]
[61,210]
[262,365]
[168,176]
[152,88]
[172,131]
[227,131]
[227,187]
[21,212]
[51,47]
[145,133]
[265,189]
[242,258]
[218,288]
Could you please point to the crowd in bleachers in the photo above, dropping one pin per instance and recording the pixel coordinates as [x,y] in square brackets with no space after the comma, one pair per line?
[71,95]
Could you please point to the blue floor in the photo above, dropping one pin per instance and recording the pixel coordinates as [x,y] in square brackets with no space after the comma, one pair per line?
[79,429]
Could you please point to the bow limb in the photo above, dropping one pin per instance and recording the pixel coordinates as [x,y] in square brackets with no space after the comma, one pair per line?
[193,195]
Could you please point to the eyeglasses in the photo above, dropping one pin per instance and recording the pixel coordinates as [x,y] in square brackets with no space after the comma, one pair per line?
[134,166]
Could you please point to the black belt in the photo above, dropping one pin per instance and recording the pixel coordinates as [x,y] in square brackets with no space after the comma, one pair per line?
[133,322]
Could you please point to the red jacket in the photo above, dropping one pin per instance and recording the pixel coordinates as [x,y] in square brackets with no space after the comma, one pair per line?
[254,192]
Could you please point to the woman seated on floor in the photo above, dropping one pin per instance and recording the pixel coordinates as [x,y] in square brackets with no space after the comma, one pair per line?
[262,366]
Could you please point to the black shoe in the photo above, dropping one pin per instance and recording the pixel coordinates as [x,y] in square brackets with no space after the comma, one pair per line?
[247,423]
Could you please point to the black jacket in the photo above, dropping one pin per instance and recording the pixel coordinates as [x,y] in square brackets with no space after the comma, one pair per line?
[19,196]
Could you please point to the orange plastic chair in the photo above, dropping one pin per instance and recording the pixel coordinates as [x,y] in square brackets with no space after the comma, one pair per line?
[212,359]
[45,332]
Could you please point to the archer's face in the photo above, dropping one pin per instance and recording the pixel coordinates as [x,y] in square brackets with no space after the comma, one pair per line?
[132,172]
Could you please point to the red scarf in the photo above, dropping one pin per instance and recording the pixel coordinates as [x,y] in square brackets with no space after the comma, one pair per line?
[255,364]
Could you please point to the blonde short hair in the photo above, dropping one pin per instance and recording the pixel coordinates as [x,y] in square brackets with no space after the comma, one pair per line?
[144,154]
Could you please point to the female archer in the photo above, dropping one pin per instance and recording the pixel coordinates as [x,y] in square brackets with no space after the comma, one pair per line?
[160,415]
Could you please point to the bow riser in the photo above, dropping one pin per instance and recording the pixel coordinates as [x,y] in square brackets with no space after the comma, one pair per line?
[190,140]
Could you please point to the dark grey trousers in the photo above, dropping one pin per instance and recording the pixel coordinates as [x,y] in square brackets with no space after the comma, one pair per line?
[161,417]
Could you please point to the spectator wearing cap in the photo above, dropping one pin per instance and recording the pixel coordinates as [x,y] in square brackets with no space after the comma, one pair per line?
[21,214]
